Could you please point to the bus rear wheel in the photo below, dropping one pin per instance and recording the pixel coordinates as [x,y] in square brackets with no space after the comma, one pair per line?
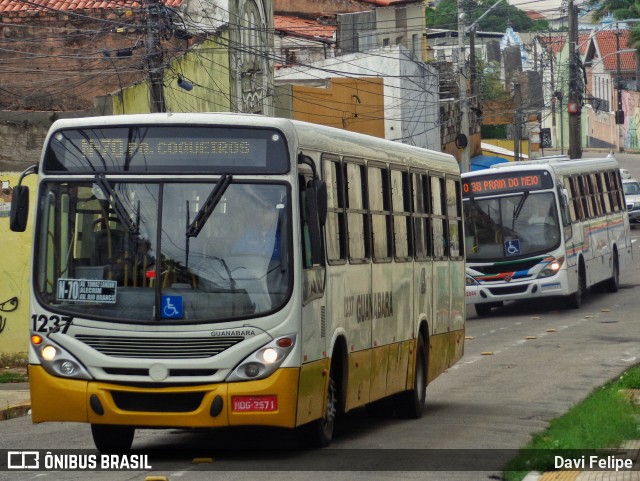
[112,439]
[410,404]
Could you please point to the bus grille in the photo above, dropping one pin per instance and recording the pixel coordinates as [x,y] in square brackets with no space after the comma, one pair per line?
[499,291]
[508,267]
[159,348]
[157,402]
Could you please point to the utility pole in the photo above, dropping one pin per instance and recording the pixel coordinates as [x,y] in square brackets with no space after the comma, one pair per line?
[554,127]
[573,104]
[516,121]
[619,110]
[155,62]
[465,161]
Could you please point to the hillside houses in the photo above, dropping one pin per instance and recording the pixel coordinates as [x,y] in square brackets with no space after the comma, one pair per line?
[364,65]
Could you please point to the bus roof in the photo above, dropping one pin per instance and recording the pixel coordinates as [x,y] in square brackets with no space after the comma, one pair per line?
[556,164]
[307,135]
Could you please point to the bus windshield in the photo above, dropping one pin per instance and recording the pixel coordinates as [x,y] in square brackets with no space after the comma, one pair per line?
[512,226]
[164,251]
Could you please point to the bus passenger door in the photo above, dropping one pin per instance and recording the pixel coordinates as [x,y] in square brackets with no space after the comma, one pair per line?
[312,384]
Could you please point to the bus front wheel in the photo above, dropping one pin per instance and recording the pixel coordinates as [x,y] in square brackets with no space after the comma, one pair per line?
[410,404]
[483,310]
[574,301]
[112,439]
[319,433]
[613,284]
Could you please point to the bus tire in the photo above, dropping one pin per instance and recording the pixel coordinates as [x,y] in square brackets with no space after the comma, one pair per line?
[319,433]
[410,404]
[112,439]
[483,310]
[574,301]
[613,284]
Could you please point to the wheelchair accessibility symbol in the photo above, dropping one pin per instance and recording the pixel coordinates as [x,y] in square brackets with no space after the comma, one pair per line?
[172,307]
[512,247]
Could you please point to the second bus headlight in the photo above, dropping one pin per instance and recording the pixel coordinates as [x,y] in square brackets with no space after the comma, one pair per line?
[264,361]
[552,267]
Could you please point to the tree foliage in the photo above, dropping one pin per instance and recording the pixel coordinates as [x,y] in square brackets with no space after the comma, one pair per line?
[445,16]
[490,86]
[619,9]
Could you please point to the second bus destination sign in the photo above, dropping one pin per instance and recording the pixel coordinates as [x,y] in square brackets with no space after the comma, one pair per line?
[505,182]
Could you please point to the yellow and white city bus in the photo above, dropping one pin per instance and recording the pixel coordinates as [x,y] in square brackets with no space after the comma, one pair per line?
[544,228]
[210,270]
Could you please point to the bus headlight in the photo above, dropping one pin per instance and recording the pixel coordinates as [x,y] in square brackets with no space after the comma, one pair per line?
[469,281]
[552,267]
[56,360]
[264,361]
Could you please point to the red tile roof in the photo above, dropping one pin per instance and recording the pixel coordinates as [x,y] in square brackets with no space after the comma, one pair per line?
[7,6]
[535,15]
[553,43]
[583,42]
[302,27]
[606,41]
[388,3]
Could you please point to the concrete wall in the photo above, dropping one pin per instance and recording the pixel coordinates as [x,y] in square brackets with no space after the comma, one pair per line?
[206,66]
[15,270]
[350,104]
[631,107]
[410,90]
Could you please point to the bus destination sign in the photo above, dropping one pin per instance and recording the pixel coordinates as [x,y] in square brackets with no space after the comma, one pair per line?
[504,183]
[212,149]
[87,290]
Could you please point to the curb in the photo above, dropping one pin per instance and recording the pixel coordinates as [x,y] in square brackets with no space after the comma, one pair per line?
[15,411]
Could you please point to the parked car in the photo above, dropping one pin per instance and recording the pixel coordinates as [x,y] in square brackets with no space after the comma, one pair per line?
[624,173]
[631,189]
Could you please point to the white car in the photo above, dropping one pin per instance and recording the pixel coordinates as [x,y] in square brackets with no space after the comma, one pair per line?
[631,189]
[625,174]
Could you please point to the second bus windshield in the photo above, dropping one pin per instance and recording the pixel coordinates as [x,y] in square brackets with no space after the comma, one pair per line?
[512,226]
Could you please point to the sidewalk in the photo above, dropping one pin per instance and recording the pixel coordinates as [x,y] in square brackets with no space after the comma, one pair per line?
[14,400]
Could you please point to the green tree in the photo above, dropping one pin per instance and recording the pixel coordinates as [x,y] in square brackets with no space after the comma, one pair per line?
[445,15]
[619,9]
[490,86]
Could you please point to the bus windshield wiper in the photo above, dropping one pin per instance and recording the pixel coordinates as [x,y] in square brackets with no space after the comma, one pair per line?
[518,209]
[118,206]
[209,205]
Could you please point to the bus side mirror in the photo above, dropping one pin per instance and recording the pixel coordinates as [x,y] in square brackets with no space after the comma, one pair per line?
[19,208]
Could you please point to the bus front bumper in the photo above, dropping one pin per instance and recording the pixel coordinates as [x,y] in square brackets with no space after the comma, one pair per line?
[513,291]
[265,402]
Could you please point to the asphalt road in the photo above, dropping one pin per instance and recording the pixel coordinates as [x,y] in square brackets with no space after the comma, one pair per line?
[524,365]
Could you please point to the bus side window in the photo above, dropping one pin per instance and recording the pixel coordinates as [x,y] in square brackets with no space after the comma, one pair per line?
[438,204]
[401,207]
[336,229]
[307,217]
[357,212]
[378,179]
[421,224]
[564,204]
[604,191]
[454,217]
